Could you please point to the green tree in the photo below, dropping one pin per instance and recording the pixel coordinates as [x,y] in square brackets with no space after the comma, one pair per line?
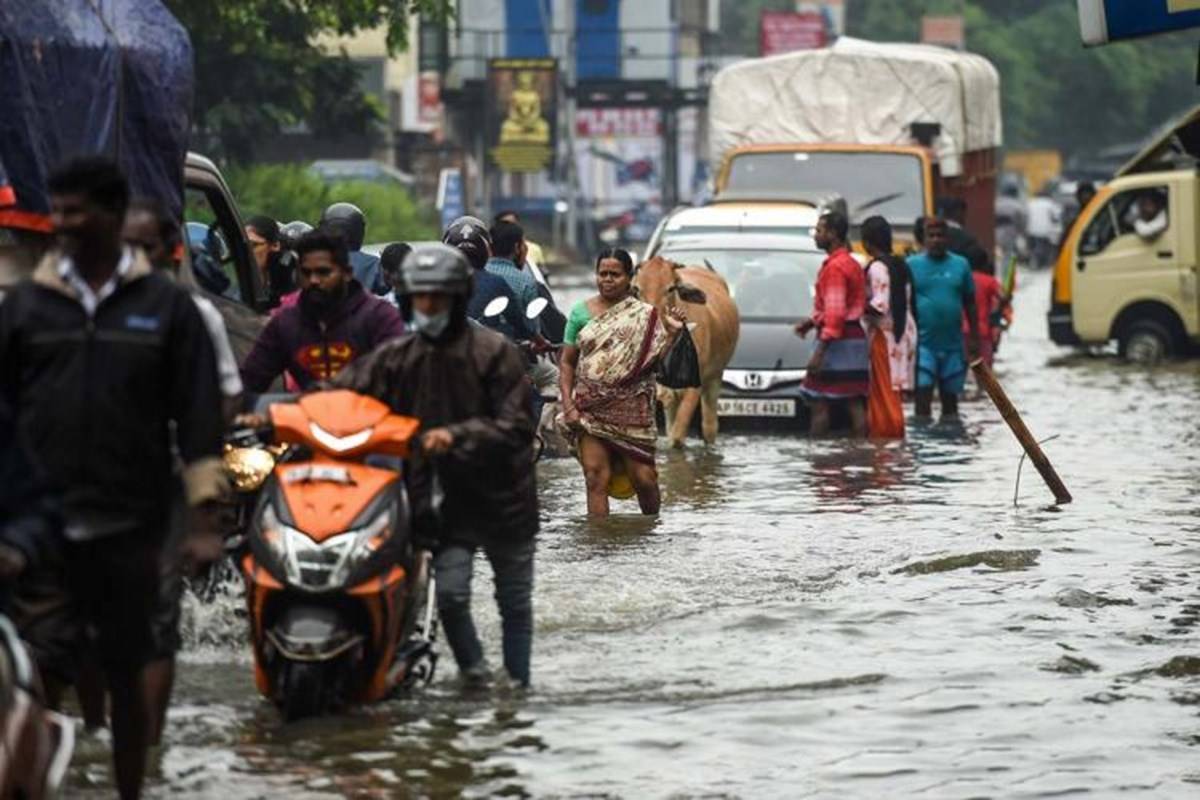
[288,192]
[258,69]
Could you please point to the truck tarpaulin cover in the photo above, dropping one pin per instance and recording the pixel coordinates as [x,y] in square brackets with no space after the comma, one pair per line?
[82,77]
[858,92]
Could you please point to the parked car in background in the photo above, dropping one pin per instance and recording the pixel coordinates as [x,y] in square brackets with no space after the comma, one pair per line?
[335,170]
[772,279]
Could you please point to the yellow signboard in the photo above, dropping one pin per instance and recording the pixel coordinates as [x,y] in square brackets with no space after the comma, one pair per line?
[1174,6]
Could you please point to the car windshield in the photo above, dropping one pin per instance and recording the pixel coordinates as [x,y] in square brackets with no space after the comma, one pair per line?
[887,184]
[765,284]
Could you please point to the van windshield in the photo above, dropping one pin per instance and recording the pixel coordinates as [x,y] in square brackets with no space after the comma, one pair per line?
[887,184]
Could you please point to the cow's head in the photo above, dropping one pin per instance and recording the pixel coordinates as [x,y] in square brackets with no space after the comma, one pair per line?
[658,283]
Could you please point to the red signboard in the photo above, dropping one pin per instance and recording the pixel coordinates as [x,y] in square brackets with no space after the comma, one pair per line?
[429,98]
[786,31]
[618,122]
[948,31]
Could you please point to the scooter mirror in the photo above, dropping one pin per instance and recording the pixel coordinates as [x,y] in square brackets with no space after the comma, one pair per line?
[496,307]
[535,309]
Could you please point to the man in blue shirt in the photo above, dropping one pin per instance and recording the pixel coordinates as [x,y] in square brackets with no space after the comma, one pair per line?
[471,236]
[943,290]
[508,253]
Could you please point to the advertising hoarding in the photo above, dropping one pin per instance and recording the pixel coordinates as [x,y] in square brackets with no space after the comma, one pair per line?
[522,113]
[788,31]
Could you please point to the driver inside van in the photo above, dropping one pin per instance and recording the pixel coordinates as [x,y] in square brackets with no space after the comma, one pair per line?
[1151,219]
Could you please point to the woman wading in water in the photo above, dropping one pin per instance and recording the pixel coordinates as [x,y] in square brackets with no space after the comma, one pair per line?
[613,342]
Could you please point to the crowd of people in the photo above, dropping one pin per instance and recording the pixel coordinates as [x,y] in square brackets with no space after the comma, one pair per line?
[898,325]
[118,382]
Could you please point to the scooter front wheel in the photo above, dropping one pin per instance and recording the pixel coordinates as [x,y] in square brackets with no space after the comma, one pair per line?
[307,690]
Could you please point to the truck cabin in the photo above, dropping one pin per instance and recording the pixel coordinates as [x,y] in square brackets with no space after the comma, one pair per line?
[899,183]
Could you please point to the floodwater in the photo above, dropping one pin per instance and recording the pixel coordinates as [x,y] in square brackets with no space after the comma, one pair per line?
[806,619]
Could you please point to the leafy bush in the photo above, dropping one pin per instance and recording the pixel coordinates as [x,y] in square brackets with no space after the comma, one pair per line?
[289,192]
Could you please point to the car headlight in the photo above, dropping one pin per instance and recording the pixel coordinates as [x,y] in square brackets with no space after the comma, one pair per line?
[322,566]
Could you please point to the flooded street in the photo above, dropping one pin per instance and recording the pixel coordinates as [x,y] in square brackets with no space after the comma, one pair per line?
[806,619]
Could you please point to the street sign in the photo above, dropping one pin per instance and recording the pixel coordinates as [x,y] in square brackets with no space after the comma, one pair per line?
[788,31]
[450,200]
[1103,21]
[947,31]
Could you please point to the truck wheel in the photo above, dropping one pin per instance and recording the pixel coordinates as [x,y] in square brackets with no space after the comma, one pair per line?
[1146,342]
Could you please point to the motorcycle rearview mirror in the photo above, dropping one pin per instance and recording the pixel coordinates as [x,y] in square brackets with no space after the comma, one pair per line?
[496,307]
[535,309]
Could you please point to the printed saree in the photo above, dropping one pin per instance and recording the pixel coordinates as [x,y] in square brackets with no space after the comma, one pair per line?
[614,382]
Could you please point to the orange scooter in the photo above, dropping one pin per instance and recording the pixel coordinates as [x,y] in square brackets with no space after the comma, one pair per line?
[341,601]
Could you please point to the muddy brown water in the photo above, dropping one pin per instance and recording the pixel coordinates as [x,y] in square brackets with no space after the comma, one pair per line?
[805,619]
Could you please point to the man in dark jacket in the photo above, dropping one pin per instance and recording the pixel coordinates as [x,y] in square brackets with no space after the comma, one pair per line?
[109,370]
[467,385]
[470,236]
[335,322]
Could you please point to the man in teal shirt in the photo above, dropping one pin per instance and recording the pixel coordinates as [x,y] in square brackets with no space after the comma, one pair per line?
[943,290]
[508,256]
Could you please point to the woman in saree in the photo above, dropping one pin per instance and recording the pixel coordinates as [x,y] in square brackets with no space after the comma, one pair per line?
[612,342]
[891,331]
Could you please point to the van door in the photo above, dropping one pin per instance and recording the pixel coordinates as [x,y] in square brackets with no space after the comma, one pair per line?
[219,262]
[1115,266]
[1189,265]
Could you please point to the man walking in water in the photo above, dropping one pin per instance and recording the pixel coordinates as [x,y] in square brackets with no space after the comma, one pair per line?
[467,385]
[109,368]
[943,290]
[838,368]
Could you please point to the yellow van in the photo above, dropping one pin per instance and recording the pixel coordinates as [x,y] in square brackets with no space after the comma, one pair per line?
[1129,267]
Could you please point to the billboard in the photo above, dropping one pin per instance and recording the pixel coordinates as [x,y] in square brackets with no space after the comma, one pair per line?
[522,113]
[787,31]
[619,156]
[1103,21]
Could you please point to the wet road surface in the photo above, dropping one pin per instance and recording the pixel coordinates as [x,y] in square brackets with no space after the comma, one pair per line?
[806,619]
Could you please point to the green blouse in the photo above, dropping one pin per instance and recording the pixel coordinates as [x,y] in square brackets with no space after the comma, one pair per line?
[578,319]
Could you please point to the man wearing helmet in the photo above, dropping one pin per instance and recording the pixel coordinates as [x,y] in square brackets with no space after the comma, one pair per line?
[467,385]
[347,221]
[471,236]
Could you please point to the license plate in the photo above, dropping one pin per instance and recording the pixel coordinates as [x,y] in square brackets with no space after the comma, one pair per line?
[743,407]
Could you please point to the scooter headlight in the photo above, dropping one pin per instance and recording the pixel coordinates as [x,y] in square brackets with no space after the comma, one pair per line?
[248,467]
[322,566]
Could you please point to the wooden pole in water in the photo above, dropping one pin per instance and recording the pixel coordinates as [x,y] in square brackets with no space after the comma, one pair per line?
[988,381]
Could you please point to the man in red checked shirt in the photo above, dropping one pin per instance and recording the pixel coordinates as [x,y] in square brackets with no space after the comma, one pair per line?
[837,371]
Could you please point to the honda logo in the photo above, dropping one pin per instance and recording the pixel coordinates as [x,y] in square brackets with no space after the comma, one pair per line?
[752,380]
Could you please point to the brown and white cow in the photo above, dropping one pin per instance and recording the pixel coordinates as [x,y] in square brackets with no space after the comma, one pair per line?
[704,296]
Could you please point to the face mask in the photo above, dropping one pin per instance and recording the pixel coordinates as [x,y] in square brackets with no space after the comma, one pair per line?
[431,326]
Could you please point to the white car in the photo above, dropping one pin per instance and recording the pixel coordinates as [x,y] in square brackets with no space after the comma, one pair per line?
[791,219]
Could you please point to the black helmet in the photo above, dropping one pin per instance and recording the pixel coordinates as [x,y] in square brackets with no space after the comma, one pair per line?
[347,221]
[290,233]
[436,268]
[471,236]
